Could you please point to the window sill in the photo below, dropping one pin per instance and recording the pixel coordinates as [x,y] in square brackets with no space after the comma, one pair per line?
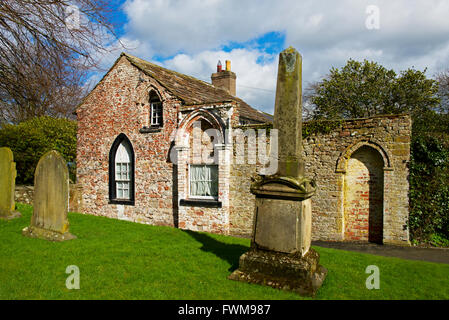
[150,129]
[122,201]
[210,203]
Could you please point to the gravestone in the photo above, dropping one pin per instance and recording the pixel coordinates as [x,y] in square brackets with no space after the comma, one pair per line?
[51,198]
[280,254]
[8,175]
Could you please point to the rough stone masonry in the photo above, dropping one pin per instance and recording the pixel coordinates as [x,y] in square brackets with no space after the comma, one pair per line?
[120,105]
[280,254]
[374,152]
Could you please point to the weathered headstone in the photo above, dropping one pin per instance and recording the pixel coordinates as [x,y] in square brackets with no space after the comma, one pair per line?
[8,175]
[51,198]
[280,254]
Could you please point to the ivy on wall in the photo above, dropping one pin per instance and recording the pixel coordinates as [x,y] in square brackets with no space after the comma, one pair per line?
[314,127]
[309,128]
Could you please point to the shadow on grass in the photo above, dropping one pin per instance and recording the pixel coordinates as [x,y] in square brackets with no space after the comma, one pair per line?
[228,252]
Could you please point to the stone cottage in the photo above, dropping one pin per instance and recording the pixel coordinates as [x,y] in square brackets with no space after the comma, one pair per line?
[136,158]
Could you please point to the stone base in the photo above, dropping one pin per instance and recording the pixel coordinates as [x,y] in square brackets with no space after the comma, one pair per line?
[292,272]
[13,215]
[405,243]
[35,232]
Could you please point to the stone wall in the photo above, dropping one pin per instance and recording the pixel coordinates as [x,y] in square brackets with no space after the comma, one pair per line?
[326,157]
[241,200]
[25,194]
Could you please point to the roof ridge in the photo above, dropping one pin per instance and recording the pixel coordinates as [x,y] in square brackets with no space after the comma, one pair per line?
[190,90]
[172,71]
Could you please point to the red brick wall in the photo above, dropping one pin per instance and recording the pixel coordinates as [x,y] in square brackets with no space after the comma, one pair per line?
[119,104]
[363,202]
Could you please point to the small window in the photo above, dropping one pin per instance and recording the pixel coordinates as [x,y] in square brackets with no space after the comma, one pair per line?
[156,113]
[155,110]
[204,181]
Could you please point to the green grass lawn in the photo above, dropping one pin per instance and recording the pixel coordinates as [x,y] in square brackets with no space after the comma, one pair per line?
[125,260]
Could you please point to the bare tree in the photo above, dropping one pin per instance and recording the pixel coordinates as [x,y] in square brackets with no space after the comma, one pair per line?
[38,88]
[443,92]
[47,48]
[308,107]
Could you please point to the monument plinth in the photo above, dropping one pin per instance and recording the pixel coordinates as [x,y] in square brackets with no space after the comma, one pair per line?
[280,254]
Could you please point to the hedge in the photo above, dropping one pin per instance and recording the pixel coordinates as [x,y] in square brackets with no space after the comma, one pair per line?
[30,139]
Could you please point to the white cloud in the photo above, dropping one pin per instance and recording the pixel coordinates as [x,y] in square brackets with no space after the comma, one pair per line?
[255,82]
[194,26]
[326,33]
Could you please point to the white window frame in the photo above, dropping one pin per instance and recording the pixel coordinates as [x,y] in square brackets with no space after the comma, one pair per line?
[123,177]
[156,116]
[189,183]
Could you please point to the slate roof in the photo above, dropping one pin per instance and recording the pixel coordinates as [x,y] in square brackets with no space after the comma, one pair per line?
[193,91]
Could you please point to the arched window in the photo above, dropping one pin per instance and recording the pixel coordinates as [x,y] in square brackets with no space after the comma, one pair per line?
[156,119]
[121,171]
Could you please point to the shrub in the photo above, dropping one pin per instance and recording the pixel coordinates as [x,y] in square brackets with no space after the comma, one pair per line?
[429,189]
[30,139]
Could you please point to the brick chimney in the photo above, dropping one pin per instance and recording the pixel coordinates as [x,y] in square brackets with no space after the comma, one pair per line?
[224,79]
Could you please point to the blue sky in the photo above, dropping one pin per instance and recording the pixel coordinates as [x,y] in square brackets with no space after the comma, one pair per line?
[190,36]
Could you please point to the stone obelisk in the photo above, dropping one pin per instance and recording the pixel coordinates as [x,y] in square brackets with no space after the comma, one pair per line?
[280,254]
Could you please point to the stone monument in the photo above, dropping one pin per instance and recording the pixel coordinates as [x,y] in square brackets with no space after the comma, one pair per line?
[51,198]
[8,175]
[280,254]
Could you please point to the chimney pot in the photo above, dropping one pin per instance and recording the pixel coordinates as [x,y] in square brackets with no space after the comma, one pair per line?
[224,79]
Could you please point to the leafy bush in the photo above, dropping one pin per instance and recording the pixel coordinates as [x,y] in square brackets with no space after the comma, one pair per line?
[429,189]
[30,139]
[439,241]
[364,89]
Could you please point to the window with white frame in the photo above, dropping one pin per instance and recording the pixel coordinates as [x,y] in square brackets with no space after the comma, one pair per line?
[122,172]
[203,181]
[155,110]
[156,113]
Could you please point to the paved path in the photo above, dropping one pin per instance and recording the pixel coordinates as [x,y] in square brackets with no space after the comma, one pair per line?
[438,255]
